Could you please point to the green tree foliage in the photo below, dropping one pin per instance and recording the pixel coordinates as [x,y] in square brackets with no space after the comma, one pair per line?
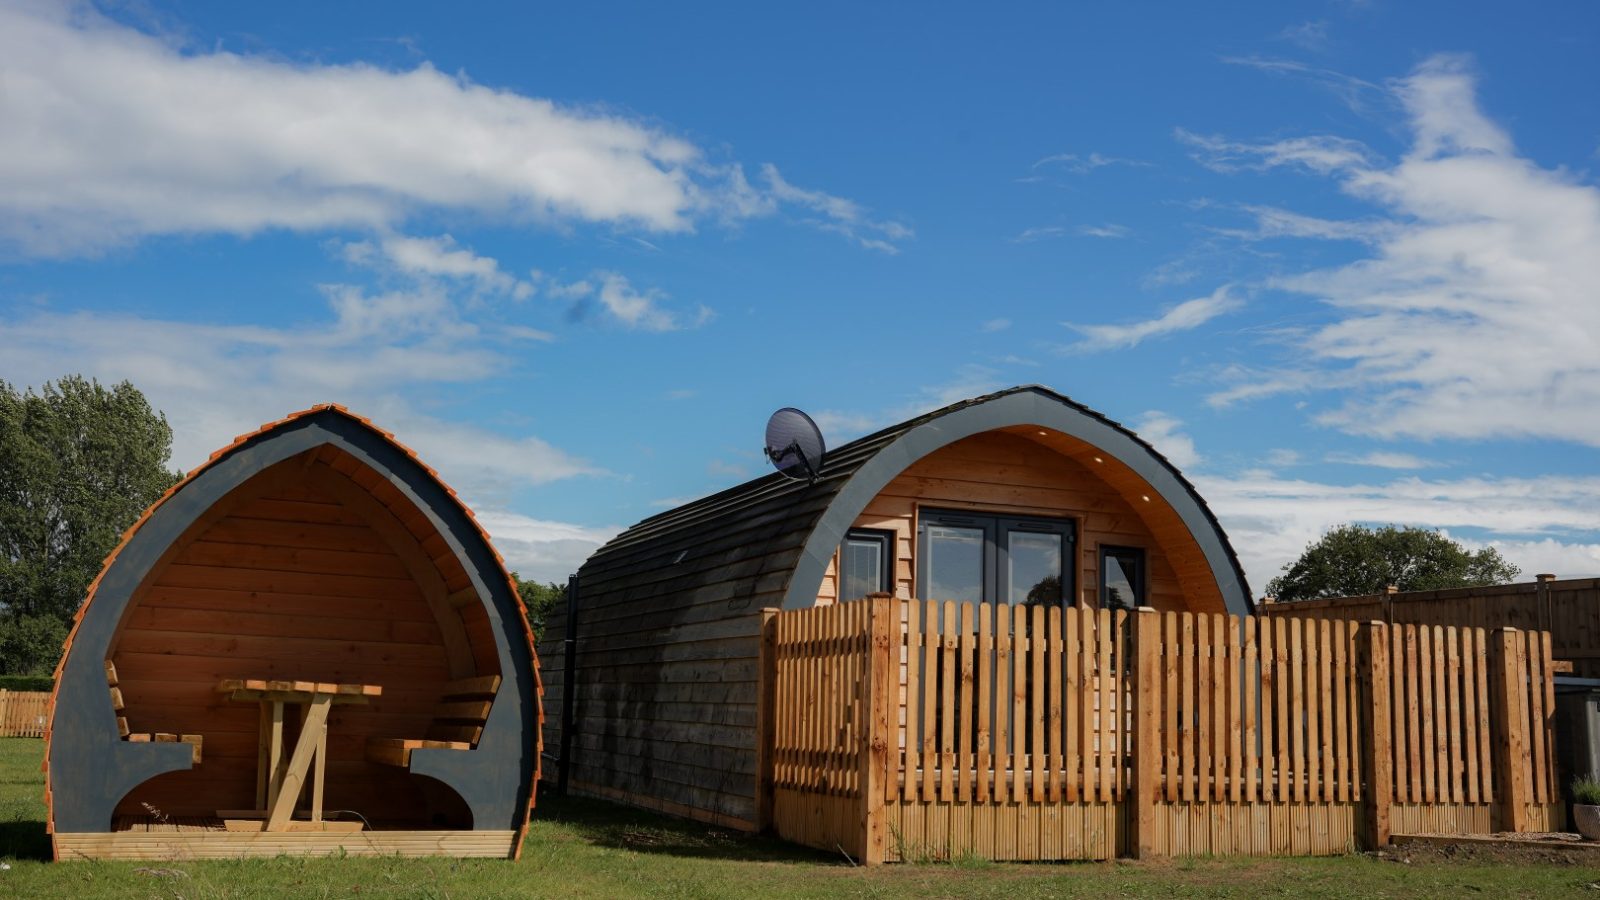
[78,463]
[540,599]
[1356,559]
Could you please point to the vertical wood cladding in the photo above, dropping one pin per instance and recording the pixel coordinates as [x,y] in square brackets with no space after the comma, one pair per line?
[1005,473]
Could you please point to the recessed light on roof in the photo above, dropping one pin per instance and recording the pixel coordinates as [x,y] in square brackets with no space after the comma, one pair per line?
[1098,460]
[1146,497]
[1044,433]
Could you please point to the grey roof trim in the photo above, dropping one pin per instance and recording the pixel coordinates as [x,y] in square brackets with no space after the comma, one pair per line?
[91,769]
[1024,407]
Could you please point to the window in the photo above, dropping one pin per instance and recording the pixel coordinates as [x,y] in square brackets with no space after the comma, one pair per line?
[866,564]
[1121,577]
[975,557]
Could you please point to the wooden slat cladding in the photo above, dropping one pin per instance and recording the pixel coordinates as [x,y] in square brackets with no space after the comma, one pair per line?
[1033,733]
[293,583]
[1569,610]
[1010,474]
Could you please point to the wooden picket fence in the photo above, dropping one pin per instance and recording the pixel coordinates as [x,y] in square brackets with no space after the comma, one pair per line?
[895,729]
[23,713]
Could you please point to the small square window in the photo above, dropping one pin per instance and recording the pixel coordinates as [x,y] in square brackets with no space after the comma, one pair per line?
[866,565]
[1121,578]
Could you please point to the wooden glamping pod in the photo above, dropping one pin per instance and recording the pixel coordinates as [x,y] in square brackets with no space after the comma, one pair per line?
[1022,496]
[306,646]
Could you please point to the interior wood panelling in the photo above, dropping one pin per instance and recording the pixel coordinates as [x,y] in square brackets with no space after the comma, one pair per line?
[315,579]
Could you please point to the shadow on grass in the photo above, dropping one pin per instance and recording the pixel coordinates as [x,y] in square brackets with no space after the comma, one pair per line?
[641,831]
[24,839]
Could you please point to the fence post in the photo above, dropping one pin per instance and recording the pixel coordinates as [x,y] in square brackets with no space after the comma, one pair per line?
[1146,731]
[1377,751]
[1508,723]
[766,697]
[875,735]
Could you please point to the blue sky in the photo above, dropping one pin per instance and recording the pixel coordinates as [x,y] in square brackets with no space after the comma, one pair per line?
[1337,260]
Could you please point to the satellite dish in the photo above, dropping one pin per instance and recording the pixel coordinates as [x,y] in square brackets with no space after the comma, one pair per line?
[794,444]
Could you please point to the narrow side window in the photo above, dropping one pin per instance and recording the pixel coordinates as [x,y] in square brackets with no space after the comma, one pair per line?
[866,563]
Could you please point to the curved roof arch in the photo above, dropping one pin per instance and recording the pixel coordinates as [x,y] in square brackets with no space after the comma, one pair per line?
[90,770]
[768,542]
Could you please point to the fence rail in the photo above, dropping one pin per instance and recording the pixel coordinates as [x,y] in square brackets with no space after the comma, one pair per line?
[1160,733]
[1568,609]
[23,713]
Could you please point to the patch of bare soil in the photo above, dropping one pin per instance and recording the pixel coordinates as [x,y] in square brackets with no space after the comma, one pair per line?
[1517,848]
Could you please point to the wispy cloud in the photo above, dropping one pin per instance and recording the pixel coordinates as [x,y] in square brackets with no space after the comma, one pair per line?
[1323,154]
[1356,93]
[994,325]
[967,382]
[1108,230]
[1382,459]
[1185,316]
[1083,164]
[1312,35]
[836,214]
[1273,223]
[1473,316]
[1041,233]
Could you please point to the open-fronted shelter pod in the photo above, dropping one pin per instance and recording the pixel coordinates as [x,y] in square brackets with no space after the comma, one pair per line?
[1018,497]
[307,645]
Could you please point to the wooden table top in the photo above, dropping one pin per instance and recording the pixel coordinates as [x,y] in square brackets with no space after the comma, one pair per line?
[290,691]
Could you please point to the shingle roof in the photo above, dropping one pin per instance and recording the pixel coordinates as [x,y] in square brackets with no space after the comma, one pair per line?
[751,534]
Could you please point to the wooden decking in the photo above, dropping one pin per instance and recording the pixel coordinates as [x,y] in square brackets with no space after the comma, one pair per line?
[197,837]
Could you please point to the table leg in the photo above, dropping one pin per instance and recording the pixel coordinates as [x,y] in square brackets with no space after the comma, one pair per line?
[319,765]
[294,776]
[263,751]
[275,758]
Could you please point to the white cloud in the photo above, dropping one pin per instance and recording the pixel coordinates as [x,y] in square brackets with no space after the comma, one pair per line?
[375,354]
[112,135]
[1270,520]
[1108,230]
[541,550]
[1162,432]
[1474,316]
[994,325]
[1382,459]
[1185,316]
[641,309]
[439,257]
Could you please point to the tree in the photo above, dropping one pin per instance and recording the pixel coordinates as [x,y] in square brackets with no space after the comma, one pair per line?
[540,599]
[1356,559]
[79,462]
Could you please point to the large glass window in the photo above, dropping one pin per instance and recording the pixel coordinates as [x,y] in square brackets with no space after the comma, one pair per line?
[974,557]
[1121,577]
[866,563]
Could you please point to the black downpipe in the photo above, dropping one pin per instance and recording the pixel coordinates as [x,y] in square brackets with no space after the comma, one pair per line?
[569,689]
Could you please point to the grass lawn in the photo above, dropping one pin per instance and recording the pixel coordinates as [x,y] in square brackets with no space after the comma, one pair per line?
[591,849]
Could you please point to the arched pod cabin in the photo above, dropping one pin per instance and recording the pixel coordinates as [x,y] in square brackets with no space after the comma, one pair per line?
[306,646]
[1019,497]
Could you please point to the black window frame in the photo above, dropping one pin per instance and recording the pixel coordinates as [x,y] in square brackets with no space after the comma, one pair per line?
[885,539]
[1140,574]
[997,527]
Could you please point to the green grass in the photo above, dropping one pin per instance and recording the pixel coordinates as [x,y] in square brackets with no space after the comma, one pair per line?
[582,849]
